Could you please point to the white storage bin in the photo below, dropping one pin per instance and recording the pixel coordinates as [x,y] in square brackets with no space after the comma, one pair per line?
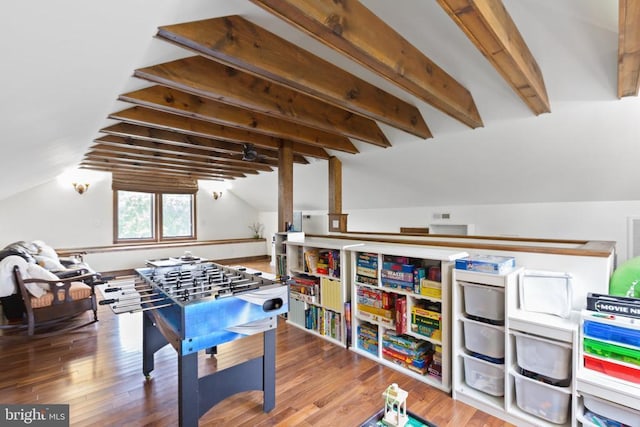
[542,400]
[613,411]
[543,356]
[484,338]
[484,376]
[483,301]
[546,292]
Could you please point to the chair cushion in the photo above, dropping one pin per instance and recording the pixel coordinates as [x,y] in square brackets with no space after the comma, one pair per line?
[78,290]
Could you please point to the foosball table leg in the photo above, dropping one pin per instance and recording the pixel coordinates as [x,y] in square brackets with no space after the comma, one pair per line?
[269,371]
[188,390]
[152,341]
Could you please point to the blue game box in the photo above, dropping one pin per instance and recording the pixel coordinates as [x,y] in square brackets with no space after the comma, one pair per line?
[486,263]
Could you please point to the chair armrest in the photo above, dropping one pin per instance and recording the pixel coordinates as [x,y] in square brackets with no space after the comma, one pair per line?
[77,278]
[63,274]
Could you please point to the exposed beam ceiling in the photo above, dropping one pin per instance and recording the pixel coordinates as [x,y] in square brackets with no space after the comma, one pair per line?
[147,117]
[184,104]
[354,30]
[183,141]
[114,165]
[248,88]
[100,152]
[200,76]
[241,44]
[628,48]
[489,26]
[158,147]
[111,144]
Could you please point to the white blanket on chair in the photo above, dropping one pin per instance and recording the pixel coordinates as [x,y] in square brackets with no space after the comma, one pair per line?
[7,281]
[27,271]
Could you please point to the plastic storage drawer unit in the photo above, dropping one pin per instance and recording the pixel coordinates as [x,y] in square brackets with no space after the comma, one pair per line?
[614,333]
[483,338]
[617,370]
[484,376]
[483,301]
[612,351]
[612,411]
[542,400]
[546,357]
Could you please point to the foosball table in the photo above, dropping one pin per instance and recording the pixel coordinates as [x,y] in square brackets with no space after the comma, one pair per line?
[198,306]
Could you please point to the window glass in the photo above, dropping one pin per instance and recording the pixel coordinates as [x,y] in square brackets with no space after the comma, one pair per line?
[177,215]
[135,215]
[154,216]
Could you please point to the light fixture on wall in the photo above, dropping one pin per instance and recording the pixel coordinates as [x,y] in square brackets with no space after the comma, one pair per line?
[80,179]
[80,188]
[216,188]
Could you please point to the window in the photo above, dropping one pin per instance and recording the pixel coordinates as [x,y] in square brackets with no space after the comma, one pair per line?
[153,217]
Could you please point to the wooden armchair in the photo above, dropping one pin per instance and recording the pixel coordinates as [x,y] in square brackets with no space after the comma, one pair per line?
[65,298]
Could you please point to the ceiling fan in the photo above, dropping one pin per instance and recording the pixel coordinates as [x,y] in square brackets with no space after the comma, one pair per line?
[249,153]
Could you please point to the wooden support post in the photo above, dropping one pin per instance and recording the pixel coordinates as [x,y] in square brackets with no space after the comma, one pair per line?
[337,220]
[285,185]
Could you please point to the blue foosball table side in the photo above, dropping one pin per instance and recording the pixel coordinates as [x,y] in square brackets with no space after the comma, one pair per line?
[204,321]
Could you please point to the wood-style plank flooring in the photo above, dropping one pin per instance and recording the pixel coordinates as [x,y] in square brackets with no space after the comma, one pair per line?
[97,370]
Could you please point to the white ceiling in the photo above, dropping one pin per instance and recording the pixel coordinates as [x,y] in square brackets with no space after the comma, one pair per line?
[64,63]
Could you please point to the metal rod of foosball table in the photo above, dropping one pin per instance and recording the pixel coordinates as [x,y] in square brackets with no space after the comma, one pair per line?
[131,295]
[137,301]
[112,288]
[140,309]
[209,277]
[217,290]
[196,284]
[129,290]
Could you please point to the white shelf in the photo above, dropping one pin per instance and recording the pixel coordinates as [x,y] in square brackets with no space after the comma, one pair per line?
[548,326]
[426,257]
[601,385]
[428,379]
[312,332]
[326,276]
[295,266]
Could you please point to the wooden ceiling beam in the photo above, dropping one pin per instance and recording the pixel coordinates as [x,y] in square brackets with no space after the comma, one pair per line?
[147,117]
[490,27]
[234,41]
[161,174]
[110,165]
[220,148]
[628,48]
[181,103]
[200,76]
[160,163]
[151,146]
[352,29]
[176,158]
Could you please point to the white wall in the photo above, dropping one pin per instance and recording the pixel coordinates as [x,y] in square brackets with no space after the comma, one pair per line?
[59,216]
[62,218]
[574,220]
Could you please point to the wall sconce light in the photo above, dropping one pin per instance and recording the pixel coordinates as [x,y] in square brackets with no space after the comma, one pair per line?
[217,195]
[80,188]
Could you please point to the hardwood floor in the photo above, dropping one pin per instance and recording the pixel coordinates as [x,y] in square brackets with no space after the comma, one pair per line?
[97,370]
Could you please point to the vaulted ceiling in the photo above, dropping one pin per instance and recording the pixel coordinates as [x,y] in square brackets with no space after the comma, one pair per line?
[248,89]
[218,86]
